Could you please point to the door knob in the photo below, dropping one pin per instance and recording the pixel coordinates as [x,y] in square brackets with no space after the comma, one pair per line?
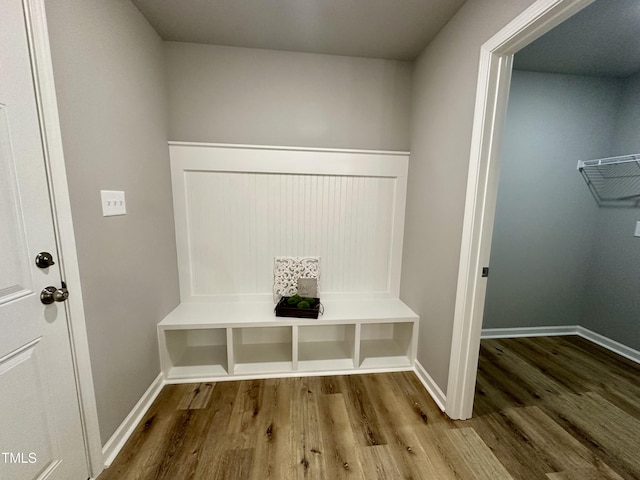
[53,294]
[44,260]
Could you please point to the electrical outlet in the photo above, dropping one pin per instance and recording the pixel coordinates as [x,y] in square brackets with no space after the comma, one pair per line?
[636,233]
[113,203]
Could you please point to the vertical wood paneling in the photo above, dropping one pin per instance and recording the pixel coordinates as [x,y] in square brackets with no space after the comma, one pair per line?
[239,221]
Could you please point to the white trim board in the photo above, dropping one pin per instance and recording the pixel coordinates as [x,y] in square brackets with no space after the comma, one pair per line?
[430,386]
[280,147]
[47,105]
[296,374]
[523,332]
[128,425]
[520,332]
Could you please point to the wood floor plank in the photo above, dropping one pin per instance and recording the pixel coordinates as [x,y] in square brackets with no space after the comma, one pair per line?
[146,448]
[477,455]
[340,455]
[515,380]
[617,363]
[401,421]
[273,449]
[378,463]
[307,441]
[184,446]
[197,397]
[235,464]
[441,454]
[362,414]
[330,385]
[530,444]
[546,357]
[621,386]
[244,424]
[610,433]
[420,463]
[513,448]
[604,473]
[214,443]
[410,393]
[532,380]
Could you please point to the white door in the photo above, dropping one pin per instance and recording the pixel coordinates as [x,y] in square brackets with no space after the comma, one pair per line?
[40,427]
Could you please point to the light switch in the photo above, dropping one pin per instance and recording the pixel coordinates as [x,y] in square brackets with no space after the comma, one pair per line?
[113,203]
[637,232]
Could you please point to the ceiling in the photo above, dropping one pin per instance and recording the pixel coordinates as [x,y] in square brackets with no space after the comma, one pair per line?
[601,40]
[389,29]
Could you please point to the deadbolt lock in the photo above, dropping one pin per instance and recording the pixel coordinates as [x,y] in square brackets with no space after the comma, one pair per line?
[44,260]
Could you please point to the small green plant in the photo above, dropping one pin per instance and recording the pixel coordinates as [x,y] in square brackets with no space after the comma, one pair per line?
[294,300]
[304,304]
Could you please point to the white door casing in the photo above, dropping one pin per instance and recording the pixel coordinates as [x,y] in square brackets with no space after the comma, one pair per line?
[494,79]
[41,434]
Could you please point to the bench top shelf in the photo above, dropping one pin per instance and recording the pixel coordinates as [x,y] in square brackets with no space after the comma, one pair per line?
[261,314]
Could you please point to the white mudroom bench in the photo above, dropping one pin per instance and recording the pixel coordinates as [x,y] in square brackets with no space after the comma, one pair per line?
[237,207]
[222,340]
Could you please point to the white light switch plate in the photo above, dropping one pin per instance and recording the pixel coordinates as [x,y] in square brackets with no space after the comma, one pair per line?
[637,232]
[113,203]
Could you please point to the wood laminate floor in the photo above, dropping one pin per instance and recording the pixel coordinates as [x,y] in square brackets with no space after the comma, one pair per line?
[552,408]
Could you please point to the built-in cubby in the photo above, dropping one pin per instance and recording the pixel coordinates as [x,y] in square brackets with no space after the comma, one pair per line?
[326,347]
[262,349]
[386,344]
[196,352]
[212,341]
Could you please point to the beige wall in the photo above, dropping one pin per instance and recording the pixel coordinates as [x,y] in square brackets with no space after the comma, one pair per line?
[109,73]
[444,89]
[250,96]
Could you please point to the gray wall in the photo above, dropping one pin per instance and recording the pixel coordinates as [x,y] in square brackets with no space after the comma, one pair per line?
[109,73]
[612,303]
[627,133]
[443,99]
[250,96]
[545,215]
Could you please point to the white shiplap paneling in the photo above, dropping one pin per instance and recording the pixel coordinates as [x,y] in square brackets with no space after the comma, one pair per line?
[237,208]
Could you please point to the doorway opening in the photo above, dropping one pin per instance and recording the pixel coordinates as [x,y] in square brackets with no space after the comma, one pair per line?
[494,79]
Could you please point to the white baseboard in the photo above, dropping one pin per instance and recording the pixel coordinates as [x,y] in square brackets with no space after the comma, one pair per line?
[126,428]
[518,332]
[432,387]
[612,345]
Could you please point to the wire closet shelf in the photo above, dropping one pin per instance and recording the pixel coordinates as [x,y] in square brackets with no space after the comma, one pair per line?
[613,181]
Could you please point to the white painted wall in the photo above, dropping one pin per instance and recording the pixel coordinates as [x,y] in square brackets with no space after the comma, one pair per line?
[109,72]
[443,99]
[612,303]
[546,217]
[264,97]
